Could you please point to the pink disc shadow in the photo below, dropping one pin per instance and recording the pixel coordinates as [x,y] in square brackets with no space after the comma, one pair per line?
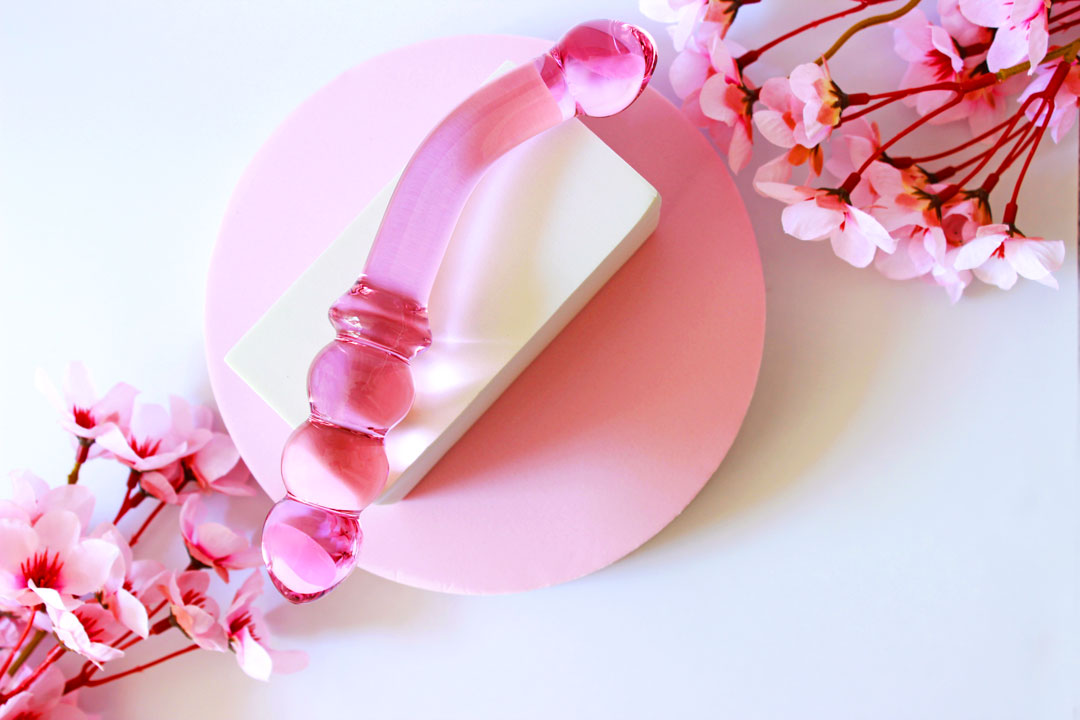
[615,427]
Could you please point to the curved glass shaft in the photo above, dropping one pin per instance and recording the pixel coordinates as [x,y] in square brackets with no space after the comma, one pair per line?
[432,191]
[360,385]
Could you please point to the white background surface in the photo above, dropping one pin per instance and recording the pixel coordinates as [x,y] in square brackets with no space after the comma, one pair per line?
[891,536]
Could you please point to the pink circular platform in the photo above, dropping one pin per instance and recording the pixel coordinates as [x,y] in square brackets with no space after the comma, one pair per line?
[618,424]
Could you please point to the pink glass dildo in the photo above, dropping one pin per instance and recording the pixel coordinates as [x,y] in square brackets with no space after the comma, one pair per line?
[360,385]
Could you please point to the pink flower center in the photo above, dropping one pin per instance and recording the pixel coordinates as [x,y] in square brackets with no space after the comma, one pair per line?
[193,597]
[240,622]
[93,628]
[43,569]
[145,448]
[83,417]
[940,65]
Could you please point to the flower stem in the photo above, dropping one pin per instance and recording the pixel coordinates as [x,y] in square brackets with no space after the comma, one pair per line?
[751,56]
[1065,51]
[961,146]
[865,23]
[1043,114]
[127,504]
[18,644]
[140,668]
[146,523]
[1050,90]
[907,131]
[1065,26]
[1064,14]
[52,657]
[81,453]
[962,88]
[27,652]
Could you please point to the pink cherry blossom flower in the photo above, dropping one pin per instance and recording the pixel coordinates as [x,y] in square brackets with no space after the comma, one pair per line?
[151,442]
[48,562]
[812,84]
[962,30]
[43,700]
[816,214]
[914,255]
[250,640]
[855,143]
[82,412]
[130,585]
[164,483]
[725,98]
[31,497]
[998,257]
[692,20]
[1063,116]
[935,56]
[212,455]
[1021,30]
[801,109]
[932,57]
[213,544]
[90,630]
[194,612]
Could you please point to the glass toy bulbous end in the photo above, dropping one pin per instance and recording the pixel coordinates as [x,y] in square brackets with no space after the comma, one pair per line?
[309,550]
[606,65]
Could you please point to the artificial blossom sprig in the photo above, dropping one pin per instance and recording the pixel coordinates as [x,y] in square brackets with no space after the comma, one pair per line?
[1007,69]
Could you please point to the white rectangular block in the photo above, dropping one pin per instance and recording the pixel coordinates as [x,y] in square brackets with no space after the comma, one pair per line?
[548,225]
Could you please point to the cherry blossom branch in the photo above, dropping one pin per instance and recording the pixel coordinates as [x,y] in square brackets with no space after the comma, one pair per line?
[953,150]
[146,523]
[137,668]
[81,453]
[1065,26]
[27,652]
[1047,107]
[948,171]
[128,503]
[751,56]
[865,23]
[1061,16]
[18,644]
[29,680]
[1065,51]
[1051,87]
[854,178]
[963,88]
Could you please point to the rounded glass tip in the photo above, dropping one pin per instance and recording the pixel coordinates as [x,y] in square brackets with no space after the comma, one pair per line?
[606,64]
[308,549]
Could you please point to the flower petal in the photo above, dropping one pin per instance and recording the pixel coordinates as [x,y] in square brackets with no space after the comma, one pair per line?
[978,250]
[807,220]
[852,246]
[87,567]
[216,458]
[997,271]
[688,72]
[58,530]
[1036,259]
[132,613]
[252,657]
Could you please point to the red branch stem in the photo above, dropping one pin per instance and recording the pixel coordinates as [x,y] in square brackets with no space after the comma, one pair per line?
[17,646]
[139,668]
[146,523]
[29,680]
[751,56]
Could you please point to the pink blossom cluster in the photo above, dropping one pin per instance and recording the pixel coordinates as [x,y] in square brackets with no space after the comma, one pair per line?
[74,595]
[1005,69]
